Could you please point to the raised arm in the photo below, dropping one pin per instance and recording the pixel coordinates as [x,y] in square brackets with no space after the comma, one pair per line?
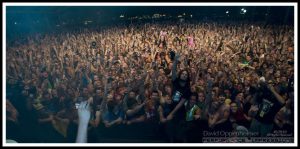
[84,115]
[178,106]
[174,76]
[279,98]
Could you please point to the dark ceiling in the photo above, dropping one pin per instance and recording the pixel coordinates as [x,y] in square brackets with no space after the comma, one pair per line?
[21,19]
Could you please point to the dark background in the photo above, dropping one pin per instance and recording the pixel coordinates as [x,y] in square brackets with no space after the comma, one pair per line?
[25,20]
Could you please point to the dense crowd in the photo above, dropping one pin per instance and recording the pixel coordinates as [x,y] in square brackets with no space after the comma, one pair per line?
[189,79]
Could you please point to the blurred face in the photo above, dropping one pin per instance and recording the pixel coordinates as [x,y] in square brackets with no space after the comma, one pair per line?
[201,97]
[98,93]
[193,100]
[109,97]
[70,92]
[277,74]
[240,97]
[131,95]
[138,77]
[96,78]
[184,75]
[97,84]
[95,63]
[213,94]
[168,99]
[247,81]
[265,66]
[255,64]
[133,72]
[193,88]
[233,107]
[201,82]
[54,93]
[248,58]
[90,88]
[227,92]
[85,92]
[222,99]
[283,79]
[209,70]
[168,89]
[118,98]
[154,96]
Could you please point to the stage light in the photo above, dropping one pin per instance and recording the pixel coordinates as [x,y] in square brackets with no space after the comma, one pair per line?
[227,12]
[15,23]
[121,16]
[243,11]
[191,15]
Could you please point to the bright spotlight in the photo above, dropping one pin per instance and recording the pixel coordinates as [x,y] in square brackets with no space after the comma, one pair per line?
[243,11]
[227,12]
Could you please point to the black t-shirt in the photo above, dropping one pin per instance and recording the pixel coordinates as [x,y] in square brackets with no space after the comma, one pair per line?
[246,107]
[178,93]
[166,109]
[268,108]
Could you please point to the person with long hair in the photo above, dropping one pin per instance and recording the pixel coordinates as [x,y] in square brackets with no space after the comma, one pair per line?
[181,92]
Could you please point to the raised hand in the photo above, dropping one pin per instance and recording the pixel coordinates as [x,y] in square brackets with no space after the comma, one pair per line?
[84,112]
[84,115]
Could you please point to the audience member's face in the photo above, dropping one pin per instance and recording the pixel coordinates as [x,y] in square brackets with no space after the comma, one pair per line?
[96,78]
[184,75]
[54,93]
[168,89]
[154,96]
[201,97]
[240,97]
[168,99]
[193,88]
[131,95]
[213,94]
[98,93]
[221,99]
[90,88]
[118,98]
[85,92]
[227,92]
[193,100]
[233,107]
[209,71]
